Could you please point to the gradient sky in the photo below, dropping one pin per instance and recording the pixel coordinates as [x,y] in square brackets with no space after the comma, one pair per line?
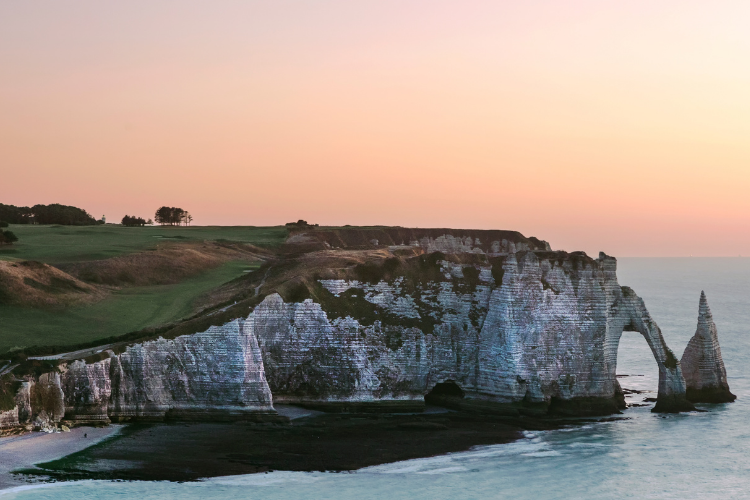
[596,125]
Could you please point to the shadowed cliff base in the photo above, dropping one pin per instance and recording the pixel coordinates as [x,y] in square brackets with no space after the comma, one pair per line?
[450,395]
[674,403]
[713,395]
[328,442]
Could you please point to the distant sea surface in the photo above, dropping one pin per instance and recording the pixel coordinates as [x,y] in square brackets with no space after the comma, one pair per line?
[687,456]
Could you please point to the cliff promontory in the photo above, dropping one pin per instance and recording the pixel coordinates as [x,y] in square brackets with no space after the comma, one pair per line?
[385,318]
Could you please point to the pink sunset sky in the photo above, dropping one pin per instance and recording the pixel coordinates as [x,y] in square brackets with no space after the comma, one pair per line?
[596,125]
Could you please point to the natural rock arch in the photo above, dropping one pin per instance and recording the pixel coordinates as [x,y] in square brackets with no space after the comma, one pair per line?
[629,313]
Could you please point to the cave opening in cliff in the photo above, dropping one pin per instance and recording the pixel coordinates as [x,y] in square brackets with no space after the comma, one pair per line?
[443,393]
[637,370]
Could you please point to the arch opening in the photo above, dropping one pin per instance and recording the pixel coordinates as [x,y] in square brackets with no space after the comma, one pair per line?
[637,371]
[633,315]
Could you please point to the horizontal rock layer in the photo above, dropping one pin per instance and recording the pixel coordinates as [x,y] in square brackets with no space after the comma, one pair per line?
[430,240]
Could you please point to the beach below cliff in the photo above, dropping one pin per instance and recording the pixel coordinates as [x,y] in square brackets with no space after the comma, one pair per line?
[310,441]
[25,450]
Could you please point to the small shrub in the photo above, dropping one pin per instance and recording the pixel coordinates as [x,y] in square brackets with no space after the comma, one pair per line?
[497,273]
[390,265]
[8,388]
[3,223]
[471,277]
[7,238]
[670,361]
[297,292]
[369,272]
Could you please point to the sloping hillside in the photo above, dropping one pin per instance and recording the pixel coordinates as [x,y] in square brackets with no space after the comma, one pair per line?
[34,284]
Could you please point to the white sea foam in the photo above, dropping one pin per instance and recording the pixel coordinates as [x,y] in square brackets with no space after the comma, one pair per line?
[27,487]
[266,479]
[455,462]
[539,454]
[571,429]
[444,470]
[408,466]
[588,445]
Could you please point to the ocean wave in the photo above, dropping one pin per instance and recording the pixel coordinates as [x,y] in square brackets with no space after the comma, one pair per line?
[26,487]
[532,446]
[267,479]
[547,453]
[444,470]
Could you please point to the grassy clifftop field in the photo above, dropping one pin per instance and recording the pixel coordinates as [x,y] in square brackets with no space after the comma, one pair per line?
[60,244]
[123,311]
[93,282]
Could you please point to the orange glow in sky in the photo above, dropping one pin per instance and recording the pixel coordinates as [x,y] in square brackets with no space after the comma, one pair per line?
[615,126]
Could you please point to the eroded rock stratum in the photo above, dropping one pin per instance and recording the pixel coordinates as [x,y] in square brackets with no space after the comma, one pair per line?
[347,322]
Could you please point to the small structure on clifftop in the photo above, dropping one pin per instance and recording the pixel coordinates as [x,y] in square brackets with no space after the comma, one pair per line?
[702,365]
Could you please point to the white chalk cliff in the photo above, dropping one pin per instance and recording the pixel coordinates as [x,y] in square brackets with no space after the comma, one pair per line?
[483,326]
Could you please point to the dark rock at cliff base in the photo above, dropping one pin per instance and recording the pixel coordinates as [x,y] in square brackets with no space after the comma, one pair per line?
[674,403]
[702,365]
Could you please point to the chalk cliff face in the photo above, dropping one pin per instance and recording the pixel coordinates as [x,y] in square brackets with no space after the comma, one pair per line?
[217,374]
[534,330]
[86,388]
[486,321]
[703,367]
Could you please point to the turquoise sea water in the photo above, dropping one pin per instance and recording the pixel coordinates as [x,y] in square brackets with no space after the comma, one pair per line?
[687,456]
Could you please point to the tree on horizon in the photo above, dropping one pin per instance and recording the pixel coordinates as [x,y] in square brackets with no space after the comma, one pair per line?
[172,216]
[133,221]
[54,213]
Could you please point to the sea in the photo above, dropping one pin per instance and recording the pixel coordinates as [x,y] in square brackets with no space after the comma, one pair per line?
[645,455]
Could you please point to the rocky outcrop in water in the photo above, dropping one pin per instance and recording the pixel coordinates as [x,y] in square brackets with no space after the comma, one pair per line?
[702,365]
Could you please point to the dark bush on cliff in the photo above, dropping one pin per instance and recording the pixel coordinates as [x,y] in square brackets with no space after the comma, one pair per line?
[7,238]
[300,225]
[8,388]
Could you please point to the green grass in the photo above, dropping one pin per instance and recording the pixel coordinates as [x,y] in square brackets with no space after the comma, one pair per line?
[127,310]
[61,244]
